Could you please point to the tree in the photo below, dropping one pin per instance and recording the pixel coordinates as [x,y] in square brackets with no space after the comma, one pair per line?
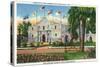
[79,15]
[19,36]
[23,31]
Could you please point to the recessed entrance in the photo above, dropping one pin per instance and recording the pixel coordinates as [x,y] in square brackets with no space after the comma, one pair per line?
[66,38]
[43,38]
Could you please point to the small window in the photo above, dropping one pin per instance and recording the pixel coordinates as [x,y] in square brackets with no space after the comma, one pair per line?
[48,34]
[32,35]
[48,26]
[32,28]
[39,27]
[55,34]
[43,27]
[55,27]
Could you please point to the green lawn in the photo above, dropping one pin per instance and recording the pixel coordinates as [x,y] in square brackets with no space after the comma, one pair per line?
[75,55]
[86,44]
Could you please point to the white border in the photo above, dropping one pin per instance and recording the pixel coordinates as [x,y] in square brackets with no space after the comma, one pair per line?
[15,33]
[49,62]
[54,4]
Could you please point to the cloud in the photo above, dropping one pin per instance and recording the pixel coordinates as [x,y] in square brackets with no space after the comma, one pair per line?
[19,20]
[32,20]
[57,20]
[51,19]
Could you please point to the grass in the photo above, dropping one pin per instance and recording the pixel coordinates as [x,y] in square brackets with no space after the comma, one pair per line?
[86,43]
[90,43]
[75,55]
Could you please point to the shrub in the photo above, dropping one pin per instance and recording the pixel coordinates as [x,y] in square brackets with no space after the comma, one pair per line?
[38,44]
[35,44]
[57,44]
[71,43]
[24,44]
[32,45]
[92,53]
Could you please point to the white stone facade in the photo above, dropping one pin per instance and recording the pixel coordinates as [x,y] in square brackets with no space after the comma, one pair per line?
[48,31]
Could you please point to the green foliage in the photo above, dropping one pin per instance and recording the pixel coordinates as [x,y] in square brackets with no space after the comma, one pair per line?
[87,43]
[32,44]
[24,44]
[25,28]
[75,55]
[88,17]
[38,44]
[22,29]
[71,44]
[92,53]
[35,44]
[77,13]
[57,44]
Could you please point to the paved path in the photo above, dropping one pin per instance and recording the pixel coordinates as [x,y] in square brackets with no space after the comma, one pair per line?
[50,49]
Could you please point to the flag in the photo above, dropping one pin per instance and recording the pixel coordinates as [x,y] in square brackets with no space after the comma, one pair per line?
[34,14]
[49,12]
[26,17]
[58,13]
[42,8]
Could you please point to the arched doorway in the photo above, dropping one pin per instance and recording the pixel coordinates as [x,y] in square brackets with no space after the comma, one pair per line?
[66,38]
[43,38]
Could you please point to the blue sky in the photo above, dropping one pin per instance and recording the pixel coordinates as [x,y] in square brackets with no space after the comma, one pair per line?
[28,9]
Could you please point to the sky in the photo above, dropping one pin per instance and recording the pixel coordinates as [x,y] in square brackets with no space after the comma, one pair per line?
[33,10]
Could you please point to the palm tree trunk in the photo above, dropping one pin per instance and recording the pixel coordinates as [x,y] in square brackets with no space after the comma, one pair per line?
[82,34]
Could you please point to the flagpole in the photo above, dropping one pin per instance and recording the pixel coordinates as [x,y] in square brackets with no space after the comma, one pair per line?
[37,27]
[43,9]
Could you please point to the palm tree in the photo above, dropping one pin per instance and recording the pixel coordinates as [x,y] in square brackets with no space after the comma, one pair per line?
[78,16]
[73,22]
